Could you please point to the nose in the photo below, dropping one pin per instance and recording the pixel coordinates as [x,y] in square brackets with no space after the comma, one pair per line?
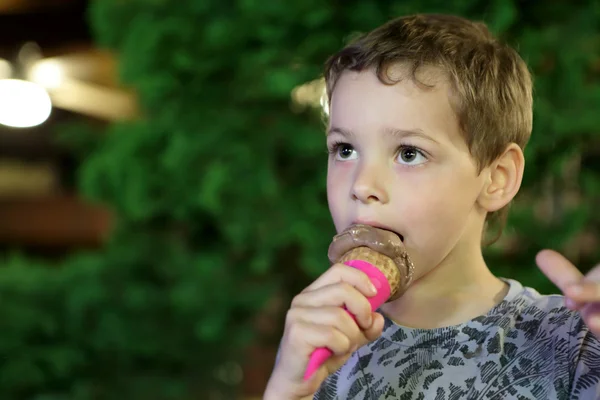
[369,185]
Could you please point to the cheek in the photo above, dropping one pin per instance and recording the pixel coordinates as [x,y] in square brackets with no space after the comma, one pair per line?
[332,185]
[439,213]
[447,196]
[339,179]
[436,215]
[336,194]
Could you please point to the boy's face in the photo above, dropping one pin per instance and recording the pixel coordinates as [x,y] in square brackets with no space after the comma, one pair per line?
[398,160]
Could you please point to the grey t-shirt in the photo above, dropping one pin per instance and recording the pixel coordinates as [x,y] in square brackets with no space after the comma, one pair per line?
[528,347]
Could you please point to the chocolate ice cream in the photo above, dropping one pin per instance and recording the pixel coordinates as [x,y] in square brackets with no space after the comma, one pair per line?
[379,240]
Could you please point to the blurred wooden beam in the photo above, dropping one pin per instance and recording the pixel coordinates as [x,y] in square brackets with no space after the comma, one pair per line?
[82,63]
[27,179]
[96,101]
[53,221]
[85,82]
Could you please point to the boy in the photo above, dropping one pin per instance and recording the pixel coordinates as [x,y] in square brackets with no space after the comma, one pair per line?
[429,115]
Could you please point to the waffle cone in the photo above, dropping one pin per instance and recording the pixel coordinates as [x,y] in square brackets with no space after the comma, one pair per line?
[383,263]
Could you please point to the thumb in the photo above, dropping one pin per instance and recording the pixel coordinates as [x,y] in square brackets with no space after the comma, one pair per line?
[369,335]
[375,330]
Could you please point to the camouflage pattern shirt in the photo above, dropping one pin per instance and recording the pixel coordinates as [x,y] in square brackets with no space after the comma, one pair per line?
[527,347]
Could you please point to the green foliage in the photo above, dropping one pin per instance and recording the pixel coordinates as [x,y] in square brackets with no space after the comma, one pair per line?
[560,44]
[220,188]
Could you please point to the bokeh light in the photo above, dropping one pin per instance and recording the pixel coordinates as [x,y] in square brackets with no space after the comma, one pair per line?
[23,104]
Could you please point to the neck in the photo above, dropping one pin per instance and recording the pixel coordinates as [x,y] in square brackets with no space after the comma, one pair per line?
[459,289]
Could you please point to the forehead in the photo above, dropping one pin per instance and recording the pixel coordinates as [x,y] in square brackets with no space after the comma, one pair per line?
[362,102]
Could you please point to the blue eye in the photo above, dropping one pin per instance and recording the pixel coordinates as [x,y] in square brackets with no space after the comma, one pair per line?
[343,151]
[409,155]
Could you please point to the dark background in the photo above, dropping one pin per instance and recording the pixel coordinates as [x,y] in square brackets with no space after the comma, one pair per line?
[155,228]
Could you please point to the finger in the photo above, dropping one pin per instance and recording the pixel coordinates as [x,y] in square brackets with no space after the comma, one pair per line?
[339,294]
[376,329]
[594,274]
[572,304]
[584,292]
[344,273]
[370,334]
[591,316]
[336,317]
[558,269]
[307,337]
[301,339]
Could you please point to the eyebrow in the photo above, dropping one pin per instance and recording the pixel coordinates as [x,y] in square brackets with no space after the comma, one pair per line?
[394,132]
[404,133]
[341,131]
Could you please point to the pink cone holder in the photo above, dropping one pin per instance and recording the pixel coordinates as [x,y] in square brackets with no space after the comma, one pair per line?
[320,355]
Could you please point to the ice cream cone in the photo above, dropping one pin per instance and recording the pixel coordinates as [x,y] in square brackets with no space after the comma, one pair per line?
[383,263]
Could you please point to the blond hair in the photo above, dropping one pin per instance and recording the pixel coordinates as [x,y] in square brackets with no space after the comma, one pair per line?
[491,87]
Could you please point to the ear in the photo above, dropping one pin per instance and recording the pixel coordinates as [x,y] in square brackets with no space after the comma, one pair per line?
[504,177]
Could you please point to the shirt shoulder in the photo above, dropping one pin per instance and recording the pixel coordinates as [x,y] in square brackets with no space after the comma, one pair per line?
[532,310]
[576,349]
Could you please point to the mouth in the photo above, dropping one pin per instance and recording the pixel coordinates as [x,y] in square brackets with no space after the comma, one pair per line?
[379,226]
[401,236]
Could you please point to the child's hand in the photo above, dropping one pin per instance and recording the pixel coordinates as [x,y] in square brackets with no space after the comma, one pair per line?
[582,292]
[316,319]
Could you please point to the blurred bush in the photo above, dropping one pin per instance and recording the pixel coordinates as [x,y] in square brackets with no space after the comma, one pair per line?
[219,189]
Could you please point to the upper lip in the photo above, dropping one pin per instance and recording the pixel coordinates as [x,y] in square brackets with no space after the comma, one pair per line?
[376,224]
